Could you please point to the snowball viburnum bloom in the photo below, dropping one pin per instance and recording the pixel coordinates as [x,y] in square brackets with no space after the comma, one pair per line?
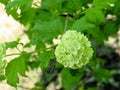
[74,50]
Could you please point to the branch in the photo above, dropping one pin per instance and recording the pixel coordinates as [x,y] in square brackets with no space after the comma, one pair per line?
[12,54]
[22,87]
[66,24]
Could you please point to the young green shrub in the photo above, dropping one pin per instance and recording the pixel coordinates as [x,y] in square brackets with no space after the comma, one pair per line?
[74,50]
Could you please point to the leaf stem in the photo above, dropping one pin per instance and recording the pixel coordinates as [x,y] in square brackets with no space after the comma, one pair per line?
[46,49]
[12,54]
[66,24]
[30,52]
[18,49]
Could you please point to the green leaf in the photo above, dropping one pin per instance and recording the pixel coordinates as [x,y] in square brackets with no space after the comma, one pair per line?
[82,25]
[102,74]
[12,44]
[25,55]
[4,1]
[51,4]
[30,14]
[110,28]
[68,81]
[81,87]
[75,5]
[13,6]
[15,67]
[43,15]
[2,77]
[103,4]
[117,7]
[44,59]
[92,88]
[98,35]
[70,6]
[95,16]
[40,46]
[44,31]
[86,2]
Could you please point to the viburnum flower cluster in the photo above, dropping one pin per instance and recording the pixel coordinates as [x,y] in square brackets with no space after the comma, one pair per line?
[74,50]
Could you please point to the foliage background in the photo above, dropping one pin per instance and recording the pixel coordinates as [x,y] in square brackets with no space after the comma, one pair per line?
[49,19]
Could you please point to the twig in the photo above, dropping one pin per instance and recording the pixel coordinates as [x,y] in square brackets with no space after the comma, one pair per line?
[66,24]
[18,49]
[30,52]
[23,87]
[12,54]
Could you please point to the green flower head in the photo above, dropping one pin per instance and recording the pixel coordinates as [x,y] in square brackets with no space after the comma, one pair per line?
[74,50]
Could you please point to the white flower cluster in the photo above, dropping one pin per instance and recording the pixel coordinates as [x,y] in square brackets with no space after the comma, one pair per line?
[74,50]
